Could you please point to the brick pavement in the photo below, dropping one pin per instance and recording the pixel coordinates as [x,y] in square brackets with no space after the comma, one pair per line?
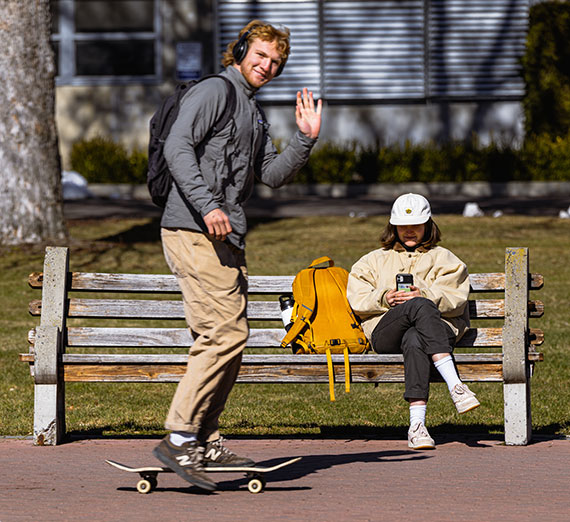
[463,480]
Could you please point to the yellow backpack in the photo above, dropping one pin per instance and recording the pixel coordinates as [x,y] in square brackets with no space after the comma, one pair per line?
[322,320]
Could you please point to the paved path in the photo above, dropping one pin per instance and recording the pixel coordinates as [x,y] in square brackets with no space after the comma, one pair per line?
[350,480]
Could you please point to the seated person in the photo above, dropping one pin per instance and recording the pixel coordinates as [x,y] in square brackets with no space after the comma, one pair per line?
[424,321]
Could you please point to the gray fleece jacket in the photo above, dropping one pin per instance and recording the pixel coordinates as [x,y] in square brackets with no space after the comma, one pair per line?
[218,173]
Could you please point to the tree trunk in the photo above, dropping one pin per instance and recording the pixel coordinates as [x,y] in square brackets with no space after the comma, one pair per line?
[31,206]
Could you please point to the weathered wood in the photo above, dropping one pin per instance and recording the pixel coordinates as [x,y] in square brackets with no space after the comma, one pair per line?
[260,359]
[259,337]
[280,373]
[166,283]
[256,310]
[491,366]
[269,368]
[150,309]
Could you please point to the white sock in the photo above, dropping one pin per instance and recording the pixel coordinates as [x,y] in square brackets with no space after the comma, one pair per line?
[418,414]
[180,437]
[447,370]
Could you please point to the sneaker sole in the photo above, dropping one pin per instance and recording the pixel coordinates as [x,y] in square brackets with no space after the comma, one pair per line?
[468,406]
[426,446]
[181,472]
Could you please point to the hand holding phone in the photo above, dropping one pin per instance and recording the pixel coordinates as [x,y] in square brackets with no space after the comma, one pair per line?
[404,282]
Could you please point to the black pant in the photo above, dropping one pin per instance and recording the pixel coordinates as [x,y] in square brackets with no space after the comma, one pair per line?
[415,329]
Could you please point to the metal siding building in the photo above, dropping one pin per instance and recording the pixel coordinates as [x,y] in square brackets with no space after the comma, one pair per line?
[387,70]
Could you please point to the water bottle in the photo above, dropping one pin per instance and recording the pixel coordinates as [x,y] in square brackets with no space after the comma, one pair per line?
[286,303]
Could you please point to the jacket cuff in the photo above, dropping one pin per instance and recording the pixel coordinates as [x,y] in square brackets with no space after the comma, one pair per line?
[305,140]
[208,208]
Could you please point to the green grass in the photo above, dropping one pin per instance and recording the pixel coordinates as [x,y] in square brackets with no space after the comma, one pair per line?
[284,247]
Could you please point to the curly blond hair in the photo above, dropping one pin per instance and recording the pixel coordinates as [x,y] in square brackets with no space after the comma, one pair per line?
[262,31]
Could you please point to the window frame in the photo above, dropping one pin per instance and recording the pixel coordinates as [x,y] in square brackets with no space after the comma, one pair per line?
[66,38]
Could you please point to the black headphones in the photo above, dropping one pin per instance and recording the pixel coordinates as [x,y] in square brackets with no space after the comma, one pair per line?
[239,51]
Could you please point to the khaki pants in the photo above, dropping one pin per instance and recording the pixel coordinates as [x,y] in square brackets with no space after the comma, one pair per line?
[213,278]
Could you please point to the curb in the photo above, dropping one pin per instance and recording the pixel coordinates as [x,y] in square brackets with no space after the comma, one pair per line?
[465,190]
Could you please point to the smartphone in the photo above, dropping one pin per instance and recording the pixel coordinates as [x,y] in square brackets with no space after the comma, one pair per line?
[404,282]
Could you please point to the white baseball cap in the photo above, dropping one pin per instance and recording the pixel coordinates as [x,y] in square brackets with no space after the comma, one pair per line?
[410,209]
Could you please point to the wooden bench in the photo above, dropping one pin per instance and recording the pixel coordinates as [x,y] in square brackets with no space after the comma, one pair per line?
[60,352]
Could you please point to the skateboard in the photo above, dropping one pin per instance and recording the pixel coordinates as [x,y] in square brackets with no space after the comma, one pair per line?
[254,474]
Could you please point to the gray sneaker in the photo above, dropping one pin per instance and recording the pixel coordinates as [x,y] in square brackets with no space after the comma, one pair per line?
[463,398]
[418,437]
[186,461]
[216,455]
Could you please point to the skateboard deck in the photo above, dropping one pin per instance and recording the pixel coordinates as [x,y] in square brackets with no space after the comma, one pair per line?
[254,474]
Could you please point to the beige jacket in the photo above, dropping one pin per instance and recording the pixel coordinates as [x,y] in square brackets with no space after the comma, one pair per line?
[439,274]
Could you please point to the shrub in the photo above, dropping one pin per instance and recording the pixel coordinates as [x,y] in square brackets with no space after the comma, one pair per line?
[138,161]
[101,160]
[541,158]
[546,158]
[546,65]
[330,163]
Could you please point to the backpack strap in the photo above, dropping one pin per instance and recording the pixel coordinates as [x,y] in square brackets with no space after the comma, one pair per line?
[305,308]
[231,102]
[347,304]
[331,374]
[321,260]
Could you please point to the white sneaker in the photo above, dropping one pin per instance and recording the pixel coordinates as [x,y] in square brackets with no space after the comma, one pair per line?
[418,437]
[463,398]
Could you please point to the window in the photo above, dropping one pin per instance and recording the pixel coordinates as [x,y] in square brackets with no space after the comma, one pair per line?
[392,50]
[106,41]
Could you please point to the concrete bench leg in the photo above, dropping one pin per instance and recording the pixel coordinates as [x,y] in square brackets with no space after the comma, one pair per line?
[516,370]
[49,403]
[518,426]
[49,391]
[49,421]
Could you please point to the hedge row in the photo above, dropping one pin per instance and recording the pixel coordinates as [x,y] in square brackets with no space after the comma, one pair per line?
[541,158]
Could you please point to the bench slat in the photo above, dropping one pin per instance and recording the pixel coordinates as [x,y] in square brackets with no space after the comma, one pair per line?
[268,368]
[264,359]
[259,337]
[166,283]
[149,309]
[271,368]
[256,310]
[264,374]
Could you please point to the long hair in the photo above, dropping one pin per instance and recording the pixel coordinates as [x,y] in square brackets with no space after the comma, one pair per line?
[432,236]
[262,31]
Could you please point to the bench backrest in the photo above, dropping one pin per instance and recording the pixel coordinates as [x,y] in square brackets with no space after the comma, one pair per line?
[129,310]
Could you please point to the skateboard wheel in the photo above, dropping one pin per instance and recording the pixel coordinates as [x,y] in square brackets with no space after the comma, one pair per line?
[144,486]
[255,485]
